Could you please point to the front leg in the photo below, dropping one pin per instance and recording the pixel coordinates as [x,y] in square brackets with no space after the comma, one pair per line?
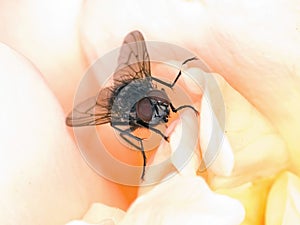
[183,107]
[160,133]
[177,77]
[146,125]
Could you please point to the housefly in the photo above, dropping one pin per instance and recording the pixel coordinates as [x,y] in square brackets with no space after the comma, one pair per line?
[133,100]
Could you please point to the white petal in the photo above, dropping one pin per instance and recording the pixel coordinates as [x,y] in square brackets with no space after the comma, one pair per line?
[100,214]
[216,151]
[184,200]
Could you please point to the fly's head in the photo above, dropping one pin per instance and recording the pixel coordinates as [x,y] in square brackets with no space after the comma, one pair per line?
[154,108]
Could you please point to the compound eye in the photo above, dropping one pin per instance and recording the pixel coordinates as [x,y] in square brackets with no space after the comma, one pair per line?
[144,110]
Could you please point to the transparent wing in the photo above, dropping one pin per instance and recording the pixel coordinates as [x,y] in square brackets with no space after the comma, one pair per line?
[133,62]
[93,111]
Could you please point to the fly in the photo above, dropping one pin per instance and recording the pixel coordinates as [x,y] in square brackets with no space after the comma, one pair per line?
[133,101]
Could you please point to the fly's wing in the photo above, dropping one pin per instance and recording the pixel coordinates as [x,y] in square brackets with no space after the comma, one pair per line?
[93,111]
[133,62]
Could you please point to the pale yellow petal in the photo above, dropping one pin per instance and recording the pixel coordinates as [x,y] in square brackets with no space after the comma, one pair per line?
[283,205]
[253,197]
[258,149]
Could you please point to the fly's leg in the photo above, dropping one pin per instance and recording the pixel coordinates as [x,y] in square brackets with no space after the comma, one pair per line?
[160,133]
[127,132]
[162,82]
[179,73]
[183,107]
[153,129]
[177,77]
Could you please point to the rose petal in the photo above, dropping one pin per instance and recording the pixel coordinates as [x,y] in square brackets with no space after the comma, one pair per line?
[253,197]
[283,206]
[216,150]
[184,200]
[180,150]
[217,156]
